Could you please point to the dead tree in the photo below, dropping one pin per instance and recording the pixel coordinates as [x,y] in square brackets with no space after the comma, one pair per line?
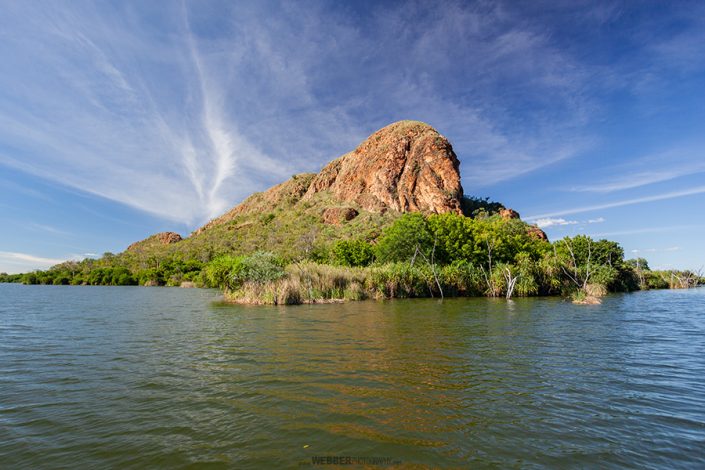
[431,263]
[511,281]
[581,281]
[491,287]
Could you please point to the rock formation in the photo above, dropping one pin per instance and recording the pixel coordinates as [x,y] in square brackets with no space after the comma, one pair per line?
[508,214]
[163,238]
[338,215]
[536,232]
[404,167]
[407,167]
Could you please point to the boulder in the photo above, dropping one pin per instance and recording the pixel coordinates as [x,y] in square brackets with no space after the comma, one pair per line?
[338,215]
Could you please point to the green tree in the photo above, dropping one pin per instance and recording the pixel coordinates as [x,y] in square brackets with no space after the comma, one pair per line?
[217,271]
[352,253]
[454,235]
[400,240]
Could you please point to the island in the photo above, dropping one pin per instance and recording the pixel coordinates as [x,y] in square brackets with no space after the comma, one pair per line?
[388,220]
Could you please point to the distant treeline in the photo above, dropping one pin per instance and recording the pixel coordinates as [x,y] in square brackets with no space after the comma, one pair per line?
[415,256]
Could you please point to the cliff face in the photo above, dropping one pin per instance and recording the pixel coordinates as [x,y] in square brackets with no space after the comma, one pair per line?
[406,167]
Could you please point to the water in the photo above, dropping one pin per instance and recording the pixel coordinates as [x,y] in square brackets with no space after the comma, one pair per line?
[131,377]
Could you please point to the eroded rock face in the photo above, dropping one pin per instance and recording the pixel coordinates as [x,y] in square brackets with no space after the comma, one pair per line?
[163,238]
[536,232]
[407,166]
[338,215]
[166,238]
[508,214]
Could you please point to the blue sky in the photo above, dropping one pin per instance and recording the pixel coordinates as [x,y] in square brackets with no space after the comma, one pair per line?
[122,119]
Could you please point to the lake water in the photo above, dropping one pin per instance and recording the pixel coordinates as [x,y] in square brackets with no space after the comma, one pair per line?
[132,377]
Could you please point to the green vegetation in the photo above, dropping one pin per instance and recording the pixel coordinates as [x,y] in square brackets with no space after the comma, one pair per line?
[352,253]
[411,256]
[4,277]
[110,270]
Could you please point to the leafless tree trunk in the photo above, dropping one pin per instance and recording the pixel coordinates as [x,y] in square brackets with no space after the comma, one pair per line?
[580,281]
[511,281]
[640,274]
[683,279]
[432,264]
[491,288]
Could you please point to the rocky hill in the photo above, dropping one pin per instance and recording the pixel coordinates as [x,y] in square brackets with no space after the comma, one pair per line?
[156,240]
[407,167]
[404,167]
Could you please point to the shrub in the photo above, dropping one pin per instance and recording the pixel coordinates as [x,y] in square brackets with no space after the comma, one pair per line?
[401,239]
[402,280]
[462,278]
[258,268]
[527,276]
[216,273]
[352,253]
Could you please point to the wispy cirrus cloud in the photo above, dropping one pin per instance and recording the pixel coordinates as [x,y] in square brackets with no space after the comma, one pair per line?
[181,112]
[643,230]
[651,169]
[46,228]
[625,202]
[14,262]
[635,180]
[94,120]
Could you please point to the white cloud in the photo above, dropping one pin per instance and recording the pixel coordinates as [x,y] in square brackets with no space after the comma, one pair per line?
[634,180]
[549,222]
[626,202]
[552,222]
[17,262]
[46,228]
[14,262]
[655,250]
[182,120]
[639,231]
[650,169]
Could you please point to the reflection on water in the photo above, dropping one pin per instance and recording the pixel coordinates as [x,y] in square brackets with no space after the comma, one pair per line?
[133,377]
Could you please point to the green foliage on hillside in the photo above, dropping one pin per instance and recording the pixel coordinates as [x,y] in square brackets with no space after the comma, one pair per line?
[474,206]
[353,252]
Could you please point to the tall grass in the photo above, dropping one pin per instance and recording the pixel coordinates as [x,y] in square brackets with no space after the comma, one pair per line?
[306,283]
[319,283]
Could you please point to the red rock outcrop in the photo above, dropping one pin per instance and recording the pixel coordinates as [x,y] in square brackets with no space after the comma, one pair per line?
[508,214]
[338,215]
[163,238]
[407,166]
[536,232]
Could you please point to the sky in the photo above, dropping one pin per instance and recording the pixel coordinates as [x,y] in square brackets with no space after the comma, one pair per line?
[122,119]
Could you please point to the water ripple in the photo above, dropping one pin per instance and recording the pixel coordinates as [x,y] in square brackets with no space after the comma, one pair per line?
[136,377]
